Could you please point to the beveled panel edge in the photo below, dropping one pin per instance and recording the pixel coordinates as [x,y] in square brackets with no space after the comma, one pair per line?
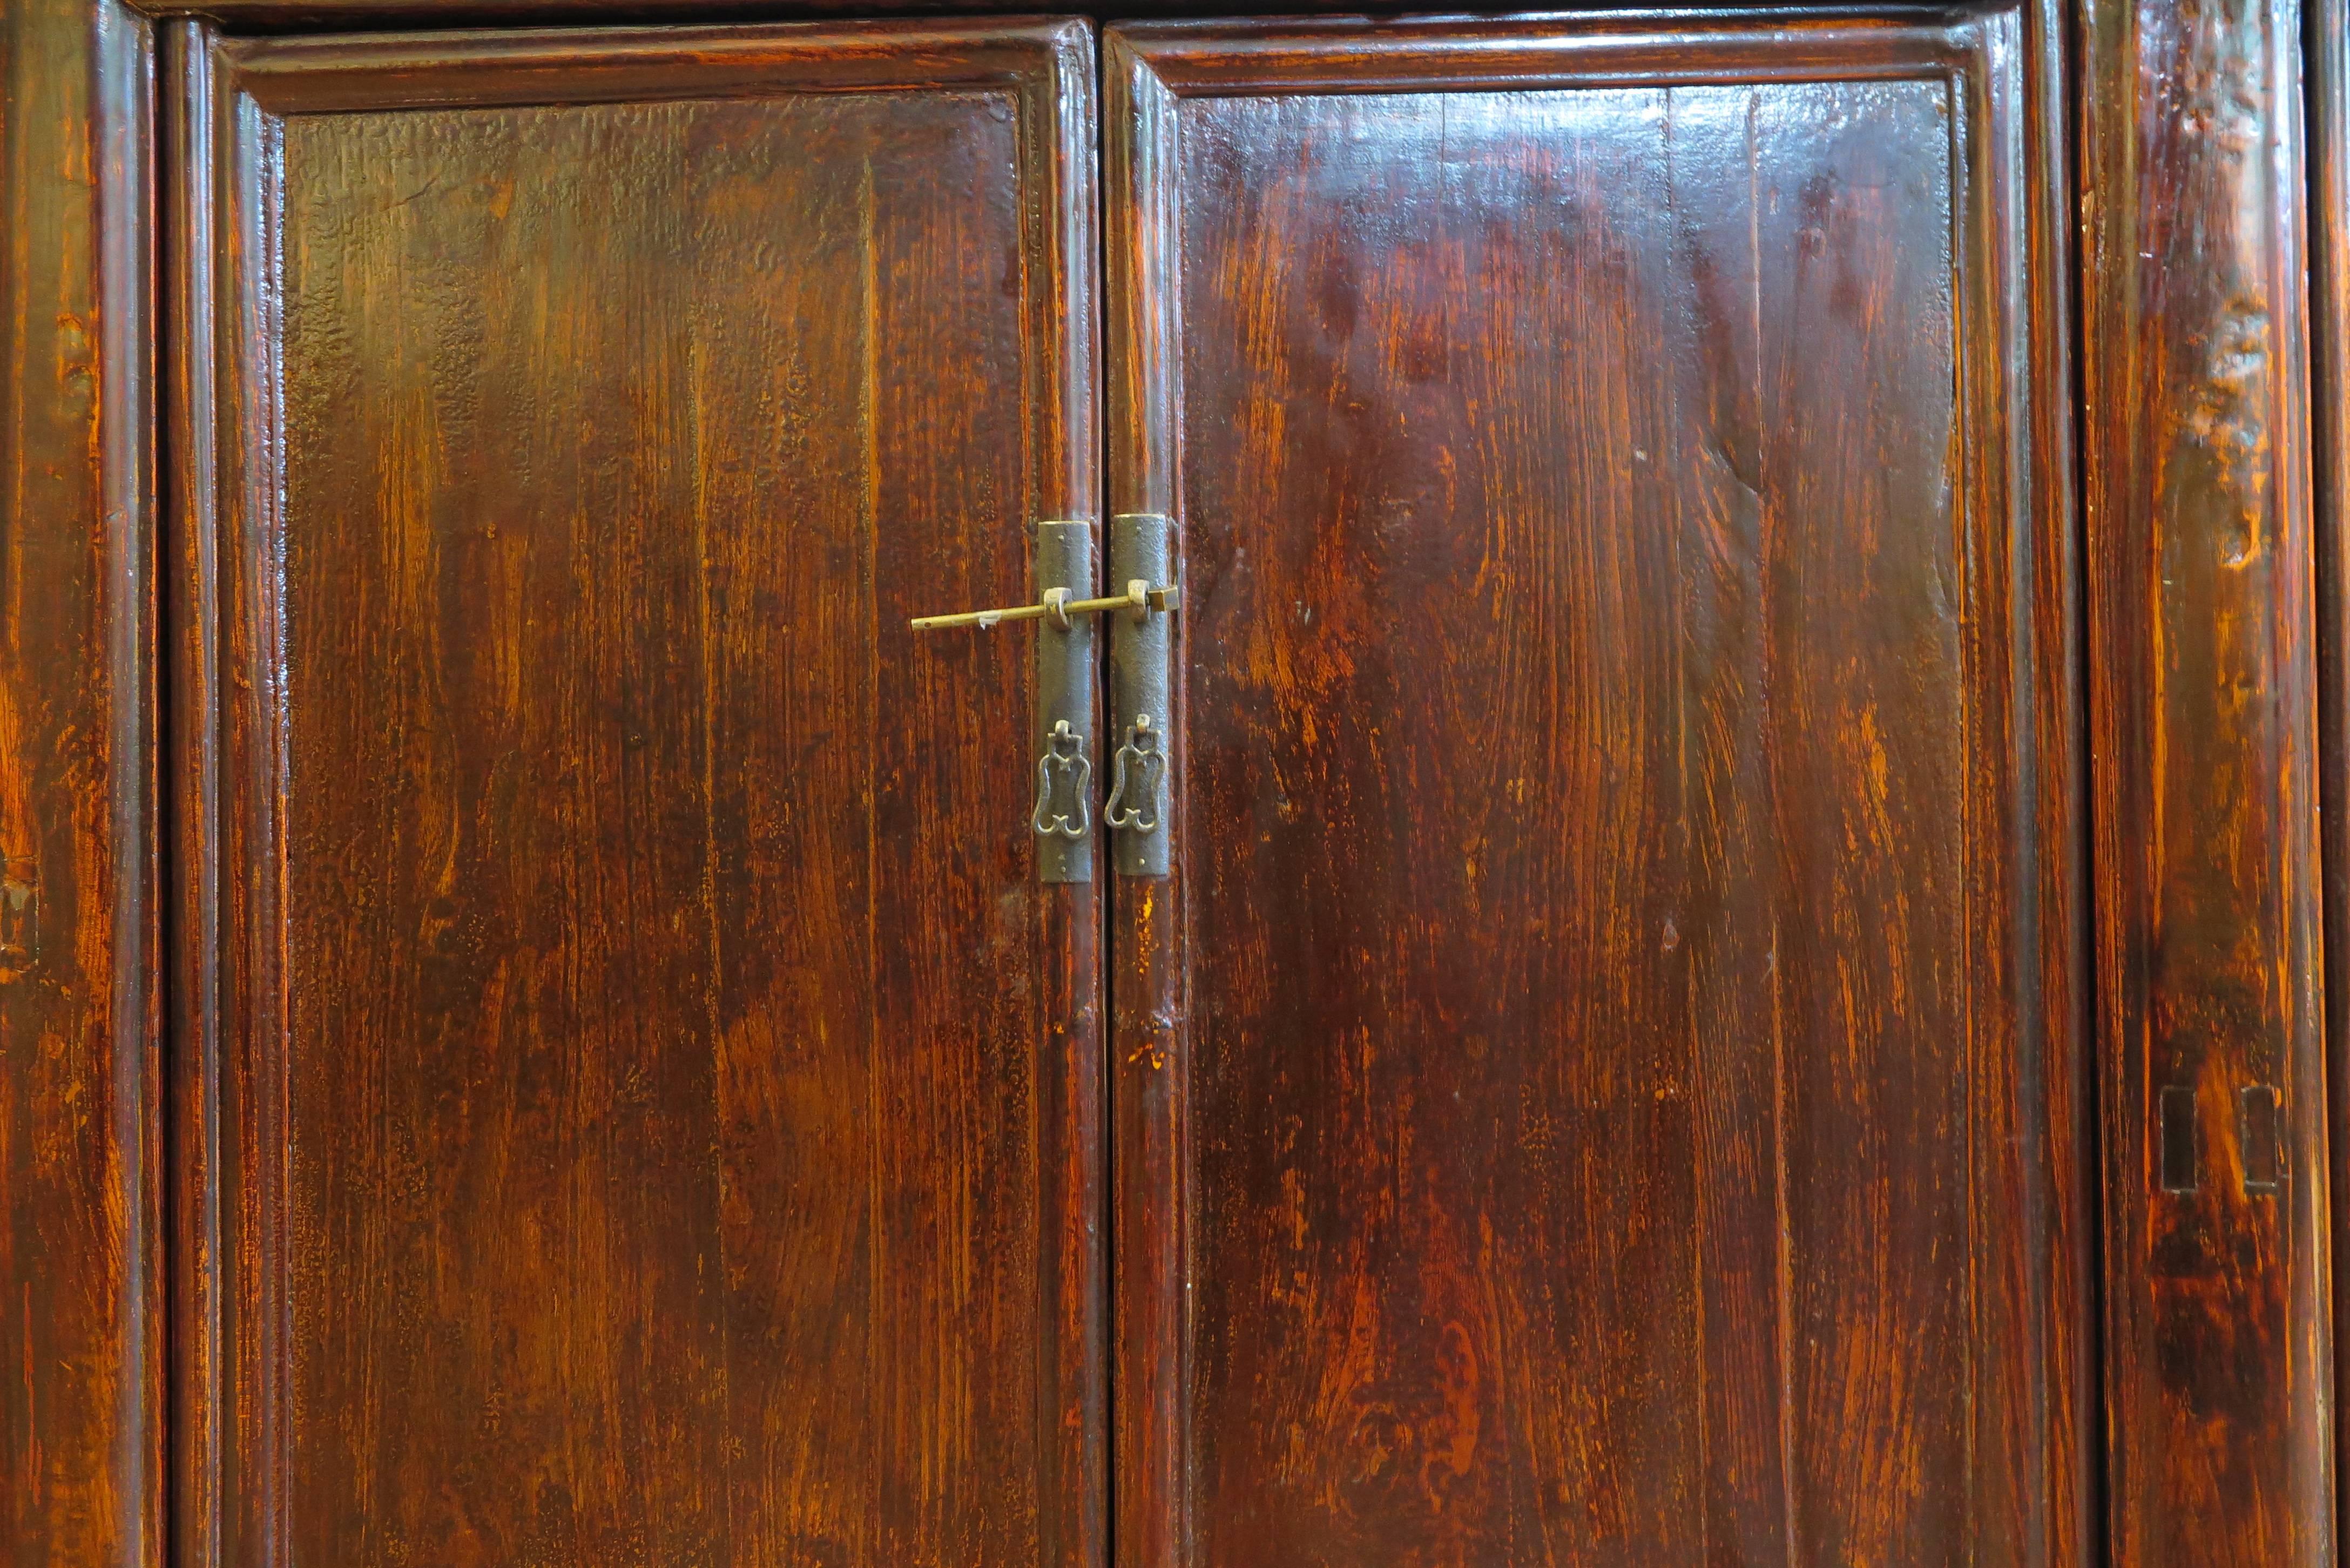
[1363,54]
[520,68]
[192,694]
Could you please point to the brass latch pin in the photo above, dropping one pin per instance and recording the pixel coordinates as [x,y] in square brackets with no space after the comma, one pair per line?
[1056,608]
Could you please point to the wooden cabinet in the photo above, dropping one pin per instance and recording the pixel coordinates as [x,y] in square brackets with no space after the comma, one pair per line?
[1680,929]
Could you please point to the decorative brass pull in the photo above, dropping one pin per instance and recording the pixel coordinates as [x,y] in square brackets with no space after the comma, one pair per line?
[1140,598]
[1064,765]
[1140,767]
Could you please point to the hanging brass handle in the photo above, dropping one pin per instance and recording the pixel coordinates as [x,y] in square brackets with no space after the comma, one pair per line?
[1062,773]
[1056,606]
[1139,765]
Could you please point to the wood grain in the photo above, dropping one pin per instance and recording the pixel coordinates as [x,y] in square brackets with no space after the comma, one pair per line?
[2207,677]
[80,1398]
[2196,459]
[299,15]
[2328,71]
[1605,1086]
[649,1110]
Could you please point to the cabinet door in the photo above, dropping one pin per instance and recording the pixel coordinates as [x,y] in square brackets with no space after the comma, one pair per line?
[637,1100]
[1603,1081]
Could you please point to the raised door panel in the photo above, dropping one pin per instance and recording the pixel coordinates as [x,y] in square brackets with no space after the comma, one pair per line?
[1603,1082]
[639,1098]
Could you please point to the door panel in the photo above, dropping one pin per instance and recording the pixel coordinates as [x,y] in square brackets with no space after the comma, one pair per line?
[648,1109]
[1602,1083]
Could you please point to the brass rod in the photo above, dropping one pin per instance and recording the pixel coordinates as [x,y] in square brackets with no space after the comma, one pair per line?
[980,618]
[1150,599]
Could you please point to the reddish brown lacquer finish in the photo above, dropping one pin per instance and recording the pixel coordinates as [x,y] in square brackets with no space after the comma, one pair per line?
[81,1342]
[1611,1053]
[2196,459]
[647,1113]
[2329,341]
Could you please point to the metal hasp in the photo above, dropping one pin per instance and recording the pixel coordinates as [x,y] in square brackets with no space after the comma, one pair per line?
[1141,682]
[1062,744]
[1141,549]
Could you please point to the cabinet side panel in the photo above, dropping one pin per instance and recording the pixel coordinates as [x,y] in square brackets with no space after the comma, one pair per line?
[79,1406]
[2328,38]
[2203,728]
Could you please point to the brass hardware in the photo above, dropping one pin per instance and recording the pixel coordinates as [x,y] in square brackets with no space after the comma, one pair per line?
[1056,609]
[1065,687]
[1141,685]
[1139,765]
[1065,762]
[1063,816]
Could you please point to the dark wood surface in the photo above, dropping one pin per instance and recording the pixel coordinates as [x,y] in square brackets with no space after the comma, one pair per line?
[80,1478]
[2328,74]
[2206,932]
[298,15]
[2198,480]
[648,1109]
[1604,1083]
